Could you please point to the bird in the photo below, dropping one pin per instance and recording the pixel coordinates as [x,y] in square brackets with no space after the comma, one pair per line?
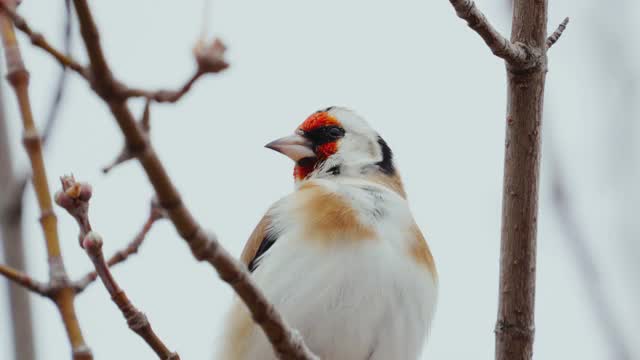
[341,257]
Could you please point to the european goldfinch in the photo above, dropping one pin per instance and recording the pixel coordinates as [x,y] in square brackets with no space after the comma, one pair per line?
[341,257]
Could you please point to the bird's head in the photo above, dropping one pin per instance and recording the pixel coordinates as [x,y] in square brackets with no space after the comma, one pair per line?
[336,142]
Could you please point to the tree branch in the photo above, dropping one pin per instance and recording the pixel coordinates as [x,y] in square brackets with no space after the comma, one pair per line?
[165,96]
[62,78]
[209,58]
[498,44]
[11,215]
[75,197]
[526,59]
[25,281]
[155,214]
[126,153]
[556,34]
[18,78]
[286,342]
[38,40]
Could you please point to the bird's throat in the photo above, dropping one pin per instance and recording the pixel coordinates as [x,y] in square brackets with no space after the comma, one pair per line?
[303,168]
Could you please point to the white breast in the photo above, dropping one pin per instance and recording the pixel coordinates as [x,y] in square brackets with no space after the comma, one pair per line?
[349,300]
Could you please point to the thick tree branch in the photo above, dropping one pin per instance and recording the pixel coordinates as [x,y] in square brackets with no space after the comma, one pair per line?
[286,342]
[526,59]
[38,40]
[556,34]
[25,280]
[155,214]
[18,78]
[74,197]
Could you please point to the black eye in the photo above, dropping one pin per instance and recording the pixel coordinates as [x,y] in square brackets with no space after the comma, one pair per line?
[336,132]
[325,134]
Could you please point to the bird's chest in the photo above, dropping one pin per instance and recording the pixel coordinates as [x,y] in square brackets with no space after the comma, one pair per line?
[342,275]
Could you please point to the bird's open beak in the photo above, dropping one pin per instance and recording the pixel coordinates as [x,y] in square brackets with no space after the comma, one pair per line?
[294,146]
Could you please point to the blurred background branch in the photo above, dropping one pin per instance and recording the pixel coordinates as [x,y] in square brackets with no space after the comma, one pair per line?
[585,261]
[12,183]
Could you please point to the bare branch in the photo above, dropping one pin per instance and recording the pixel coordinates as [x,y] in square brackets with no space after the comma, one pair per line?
[122,157]
[556,34]
[210,60]
[515,324]
[155,214]
[18,77]
[286,342]
[136,320]
[62,78]
[38,40]
[499,45]
[164,96]
[126,153]
[25,281]
[74,197]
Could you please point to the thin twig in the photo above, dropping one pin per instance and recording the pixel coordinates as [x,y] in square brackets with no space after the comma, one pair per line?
[52,115]
[556,34]
[25,281]
[18,78]
[286,341]
[38,40]
[126,153]
[155,214]
[75,197]
[165,96]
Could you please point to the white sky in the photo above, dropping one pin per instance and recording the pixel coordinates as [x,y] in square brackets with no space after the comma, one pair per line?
[424,80]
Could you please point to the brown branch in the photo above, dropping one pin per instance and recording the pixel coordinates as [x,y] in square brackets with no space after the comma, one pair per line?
[526,58]
[556,34]
[155,214]
[74,197]
[165,96]
[25,281]
[286,342]
[126,153]
[209,59]
[38,40]
[516,304]
[18,78]
[498,44]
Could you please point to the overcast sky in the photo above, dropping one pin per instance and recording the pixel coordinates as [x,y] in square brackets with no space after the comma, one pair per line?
[424,80]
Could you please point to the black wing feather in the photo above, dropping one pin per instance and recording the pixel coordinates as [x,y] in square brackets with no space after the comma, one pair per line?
[268,241]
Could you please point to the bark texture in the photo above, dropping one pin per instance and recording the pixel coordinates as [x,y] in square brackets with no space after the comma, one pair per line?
[515,323]
[525,56]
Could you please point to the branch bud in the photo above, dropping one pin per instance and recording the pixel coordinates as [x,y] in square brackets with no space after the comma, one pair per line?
[92,242]
[210,57]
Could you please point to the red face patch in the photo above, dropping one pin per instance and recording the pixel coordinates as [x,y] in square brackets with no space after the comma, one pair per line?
[315,121]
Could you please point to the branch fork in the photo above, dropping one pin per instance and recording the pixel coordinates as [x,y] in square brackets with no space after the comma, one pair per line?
[518,55]
[74,197]
[209,59]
